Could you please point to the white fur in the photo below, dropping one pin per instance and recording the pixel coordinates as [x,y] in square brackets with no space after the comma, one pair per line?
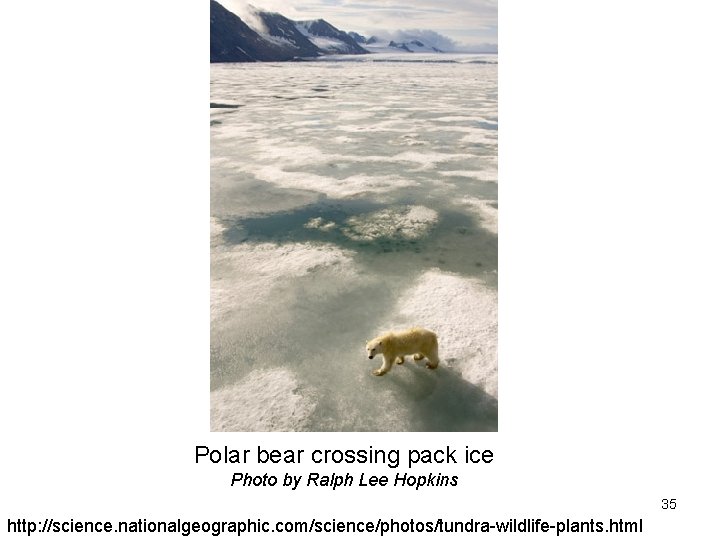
[394,346]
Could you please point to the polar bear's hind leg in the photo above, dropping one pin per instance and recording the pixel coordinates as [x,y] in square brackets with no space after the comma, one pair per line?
[432,357]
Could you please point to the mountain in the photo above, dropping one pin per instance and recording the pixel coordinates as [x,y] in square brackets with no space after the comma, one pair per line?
[413,45]
[418,46]
[407,46]
[402,46]
[231,40]
[357,37]
[328,38]
[285,33]
[271,37]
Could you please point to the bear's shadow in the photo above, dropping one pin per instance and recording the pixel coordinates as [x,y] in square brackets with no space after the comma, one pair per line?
[441,400]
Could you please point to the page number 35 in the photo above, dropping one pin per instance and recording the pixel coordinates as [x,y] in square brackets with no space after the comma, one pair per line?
[669,504]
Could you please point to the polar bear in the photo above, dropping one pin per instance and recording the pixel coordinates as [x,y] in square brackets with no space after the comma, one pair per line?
[394,346]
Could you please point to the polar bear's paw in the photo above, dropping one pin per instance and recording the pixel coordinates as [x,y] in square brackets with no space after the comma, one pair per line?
[378,372]
[417,357]
[399,359]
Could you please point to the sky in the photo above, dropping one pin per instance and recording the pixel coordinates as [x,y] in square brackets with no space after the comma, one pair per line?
[466,24]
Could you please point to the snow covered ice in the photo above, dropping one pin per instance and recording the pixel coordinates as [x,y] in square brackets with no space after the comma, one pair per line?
[350,197]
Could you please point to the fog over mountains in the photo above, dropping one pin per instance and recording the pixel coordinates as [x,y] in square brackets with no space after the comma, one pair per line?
[261,36]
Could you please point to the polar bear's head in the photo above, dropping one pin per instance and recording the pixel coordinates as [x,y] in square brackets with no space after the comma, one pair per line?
[374,347]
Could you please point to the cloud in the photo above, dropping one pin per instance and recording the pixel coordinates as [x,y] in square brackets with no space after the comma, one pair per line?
[247,12]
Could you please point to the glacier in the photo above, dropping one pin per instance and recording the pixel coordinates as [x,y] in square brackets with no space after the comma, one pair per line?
[352,196]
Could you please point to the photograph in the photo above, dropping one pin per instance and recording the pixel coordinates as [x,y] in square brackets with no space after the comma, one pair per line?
[354,216]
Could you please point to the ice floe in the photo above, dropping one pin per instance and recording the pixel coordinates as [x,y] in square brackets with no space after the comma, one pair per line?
[463,313]
[244,275]
[482,175]
[404,222]
[480,137]
[264,400]
[332,187]
[320,224]
[485,211]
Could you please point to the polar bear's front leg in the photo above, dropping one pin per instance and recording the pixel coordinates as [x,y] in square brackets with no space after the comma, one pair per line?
[386,365]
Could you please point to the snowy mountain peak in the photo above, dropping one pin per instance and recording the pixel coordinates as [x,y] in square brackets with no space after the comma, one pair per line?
[357,37]
[328,38]
[284,32]
[411,46]
[320,27]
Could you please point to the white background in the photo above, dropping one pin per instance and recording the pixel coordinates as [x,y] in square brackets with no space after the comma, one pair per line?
[608,276]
